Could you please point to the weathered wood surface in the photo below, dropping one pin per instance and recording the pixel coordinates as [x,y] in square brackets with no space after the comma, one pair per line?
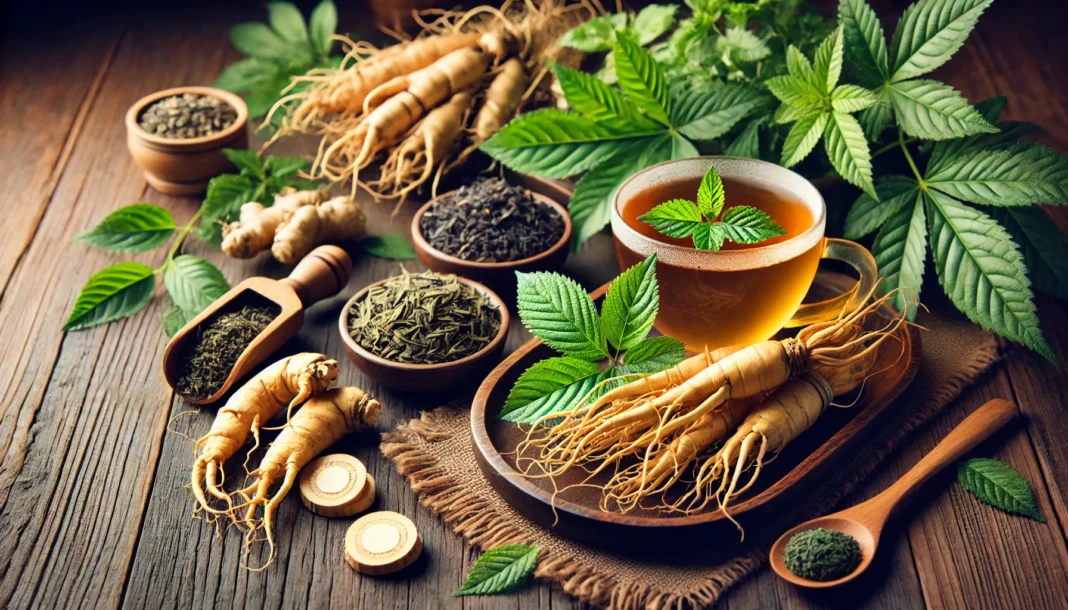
[93,512]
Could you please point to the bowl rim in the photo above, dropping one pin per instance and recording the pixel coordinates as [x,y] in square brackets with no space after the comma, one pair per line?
[423,244]
[495,343]
[234,130]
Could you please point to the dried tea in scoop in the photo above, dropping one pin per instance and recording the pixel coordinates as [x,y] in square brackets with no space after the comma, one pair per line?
[219,344]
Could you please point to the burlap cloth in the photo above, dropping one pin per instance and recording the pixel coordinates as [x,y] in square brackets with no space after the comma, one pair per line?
[436,454]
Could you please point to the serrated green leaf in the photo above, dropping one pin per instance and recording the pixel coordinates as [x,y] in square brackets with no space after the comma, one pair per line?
[1009,132]
[286,20]
[745,224]
[1043,245]
[935,111]
[642,80]
[557,144]
[593,36]
[283,167]
[675,218]
[323,24]
[133,228]
[193,283]
[173,319]
[500,570]
[747,144]
[983,272]
[864,38]
[847,148]
[565,398]
[802,95]
[1024,174]
[706,114]
[590,205]
[652,21]
[799,67]
[392,246]
[788,114]
[631,305]
[742,45]
[876,119]
[652,355]
[709,236]
[259,41]
[592,98]
[710,195]
[867,215]
[996,483]
[247,162]
[558,311]
[525,402]
[827,63]
[929,33]
[851,98]
[246,74]
[900,251]
[114,292]
[803,137]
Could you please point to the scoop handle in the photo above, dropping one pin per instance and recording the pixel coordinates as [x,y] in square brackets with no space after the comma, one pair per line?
[320,275]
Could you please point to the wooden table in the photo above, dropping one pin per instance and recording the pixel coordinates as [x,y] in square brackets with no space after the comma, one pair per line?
[93,512]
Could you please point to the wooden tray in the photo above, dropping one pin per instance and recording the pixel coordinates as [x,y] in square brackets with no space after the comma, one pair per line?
[833,440]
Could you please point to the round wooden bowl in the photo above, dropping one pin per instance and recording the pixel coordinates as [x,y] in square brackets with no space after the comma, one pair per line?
[498,276]
[184,166]
[426,377]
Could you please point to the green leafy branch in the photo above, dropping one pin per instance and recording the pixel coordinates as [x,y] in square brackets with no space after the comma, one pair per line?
[595,346]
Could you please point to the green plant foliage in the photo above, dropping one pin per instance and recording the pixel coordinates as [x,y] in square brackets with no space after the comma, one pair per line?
[392,246]
[503,569]
[192,284]
[133,228]
[114,292]
[996,483]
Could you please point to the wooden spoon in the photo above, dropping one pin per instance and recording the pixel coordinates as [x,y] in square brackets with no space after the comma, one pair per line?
[865,521]
[319,275]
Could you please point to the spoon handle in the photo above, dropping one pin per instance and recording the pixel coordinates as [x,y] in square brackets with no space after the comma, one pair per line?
[321,274]
[975,428]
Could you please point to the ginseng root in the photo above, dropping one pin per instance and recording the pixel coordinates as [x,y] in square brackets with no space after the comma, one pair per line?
[502,99]
[282,385]
[314,225]
[254,231]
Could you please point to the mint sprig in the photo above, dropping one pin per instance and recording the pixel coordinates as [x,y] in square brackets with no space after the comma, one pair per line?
[680,218]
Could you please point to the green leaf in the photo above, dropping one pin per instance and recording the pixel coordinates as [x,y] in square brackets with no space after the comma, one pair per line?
[802,95]
[876,119]
[744,224]
[654,20]
[133,228]
[590,206]
[247,161]
[705,114]
[593,36]
[558,311]
[983,272]
[864,38]
[323,24]
[565,398]
[803,137]
[666,147]
[867,215]
[642,80]
[929,33]
[285,18]
[674,218]
[851,98]
[592,98]
[847,148]
[800,68]
[557,144]
[742,45]
[652,355]
[747,144]
[246,74]
[827,63]
[788,114]
[1009,133]
[501,570]
[900,251]
[193,283]
[281,167]
[1025,174]
[631,305]
[935,111]
[392,246]
[173,319]
[114,292]
[709,236]
[225,195]
[710,195]
[1043,245]
[996,483]
[259,41]
[528,399]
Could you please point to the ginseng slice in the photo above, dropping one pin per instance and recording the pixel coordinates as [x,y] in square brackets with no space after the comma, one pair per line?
[382,543]
[335,485]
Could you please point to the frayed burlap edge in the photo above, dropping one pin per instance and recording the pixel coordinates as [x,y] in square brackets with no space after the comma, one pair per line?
[482,525]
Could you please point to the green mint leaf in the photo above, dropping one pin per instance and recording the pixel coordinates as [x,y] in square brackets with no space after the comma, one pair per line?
[323,25]
[929,33]
[114,292]
[709,236]
[530,399]
[1043,246]
[652,355]
[592,98]
[567,397]
[558,311]
[246,74]
[501,570]
[1024,174]
[133,228]
[982,271]
[590,206]
[847,148]
[900,251]
[557,144]
[827,63]
[710,194]
[935,111]
[802,95]
[876,119]
[864,38]
[799,67]
[653,20]
[742,45]
[747,144]
[867,215]
[631,305]
[803,137]
[286,20]
[706,113]
[593,36]
[393,246]
[173,319]
[259,41]
[247,162]
[193,283]
[851,98]
[745,224]
[674,218]
[642,80]
[996,483]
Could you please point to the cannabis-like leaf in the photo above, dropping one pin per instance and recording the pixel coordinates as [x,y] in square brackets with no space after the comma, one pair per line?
[502,569]
[999,485]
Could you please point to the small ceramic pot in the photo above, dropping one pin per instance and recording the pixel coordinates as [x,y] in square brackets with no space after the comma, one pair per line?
[498,276]
[184,166]
[426,377]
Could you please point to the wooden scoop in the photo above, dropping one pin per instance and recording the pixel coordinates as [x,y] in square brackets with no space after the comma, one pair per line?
[865,521]
[319,275]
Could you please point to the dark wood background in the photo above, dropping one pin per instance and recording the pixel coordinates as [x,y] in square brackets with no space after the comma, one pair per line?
[93,512]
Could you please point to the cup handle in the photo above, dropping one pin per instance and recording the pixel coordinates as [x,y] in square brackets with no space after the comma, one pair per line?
[856,256]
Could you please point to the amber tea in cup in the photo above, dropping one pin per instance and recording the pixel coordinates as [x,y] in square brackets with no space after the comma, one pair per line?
[740,294]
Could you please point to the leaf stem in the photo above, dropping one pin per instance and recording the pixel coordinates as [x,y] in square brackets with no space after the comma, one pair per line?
[908,157]
[891,146]
[180,238]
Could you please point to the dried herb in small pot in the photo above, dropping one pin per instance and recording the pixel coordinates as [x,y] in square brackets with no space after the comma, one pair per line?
[187,116]
[822,554]
[219,344]
[424,318]
[491,221]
